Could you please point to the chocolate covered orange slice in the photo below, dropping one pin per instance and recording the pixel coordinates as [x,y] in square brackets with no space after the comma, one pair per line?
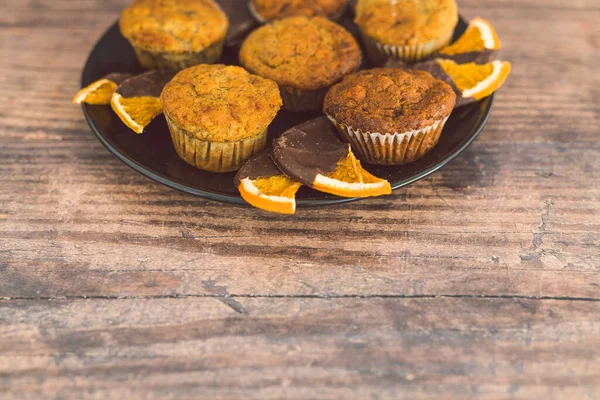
[311,154]
[100,92]
[476,81]
[264,186]
[471,82]
[137,100]
[479,36]
[479,44]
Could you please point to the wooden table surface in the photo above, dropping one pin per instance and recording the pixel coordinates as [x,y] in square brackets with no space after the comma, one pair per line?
[480,282]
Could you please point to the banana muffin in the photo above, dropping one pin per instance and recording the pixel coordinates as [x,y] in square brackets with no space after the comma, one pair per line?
[175,34]
[305,56]
[218,115]
[268,10]
[409,30]
[390,116]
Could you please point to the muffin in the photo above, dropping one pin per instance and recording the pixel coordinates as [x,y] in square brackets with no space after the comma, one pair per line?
[175,34]
[218,115]
[305,56]
[408,30]
[268,10]
[390,116]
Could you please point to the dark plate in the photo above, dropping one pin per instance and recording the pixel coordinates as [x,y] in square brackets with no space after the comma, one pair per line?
[153,154]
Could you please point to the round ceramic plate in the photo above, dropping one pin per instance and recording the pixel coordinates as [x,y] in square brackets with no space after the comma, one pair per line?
[153,155]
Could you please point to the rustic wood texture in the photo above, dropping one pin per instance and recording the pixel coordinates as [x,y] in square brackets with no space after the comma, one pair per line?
[482,281]
[301,349]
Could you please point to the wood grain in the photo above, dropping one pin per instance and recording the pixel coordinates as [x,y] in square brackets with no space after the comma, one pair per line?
[481,281]
[301,349]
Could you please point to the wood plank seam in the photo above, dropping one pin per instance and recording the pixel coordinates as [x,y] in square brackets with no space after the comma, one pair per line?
[303,296]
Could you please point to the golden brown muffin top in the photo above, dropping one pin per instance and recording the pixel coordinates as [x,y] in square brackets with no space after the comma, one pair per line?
[220,103]
[389,100]
[407,22]
[174,26]
[275,9]
[300,52]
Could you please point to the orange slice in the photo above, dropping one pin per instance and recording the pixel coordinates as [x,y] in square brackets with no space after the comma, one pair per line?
[101,91]
[476,81]
[480,35]
[275,194]
[351,180]
[136,112]
[97,93]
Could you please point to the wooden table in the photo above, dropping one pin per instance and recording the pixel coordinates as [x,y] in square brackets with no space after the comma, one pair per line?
[480,282]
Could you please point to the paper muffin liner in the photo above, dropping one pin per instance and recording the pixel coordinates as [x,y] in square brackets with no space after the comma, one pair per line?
[380,52]
[302,100]
[215,156]
[179,61]
[336,17]
[391,148]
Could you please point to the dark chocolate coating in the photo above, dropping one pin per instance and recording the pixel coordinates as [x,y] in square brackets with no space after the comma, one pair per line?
[118,77]
[309,149]
[147,84]
[391,63]
[259,166]
[352,5]
[241,22]
[478,57]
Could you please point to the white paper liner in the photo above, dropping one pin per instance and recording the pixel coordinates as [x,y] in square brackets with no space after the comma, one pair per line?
[392,148]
